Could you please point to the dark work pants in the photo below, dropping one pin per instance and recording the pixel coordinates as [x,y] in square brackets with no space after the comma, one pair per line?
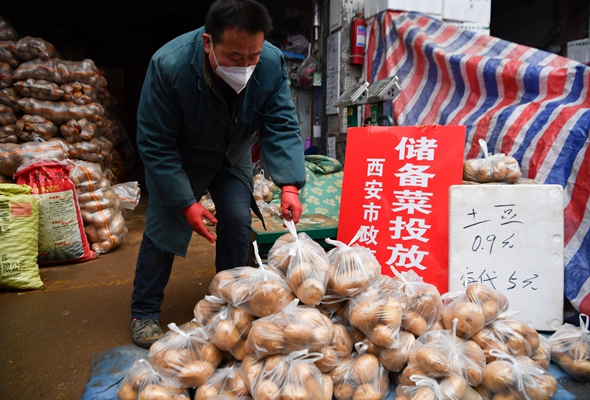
[152,271]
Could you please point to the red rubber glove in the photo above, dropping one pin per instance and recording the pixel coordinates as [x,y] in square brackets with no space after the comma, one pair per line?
[290,204]
[194,214]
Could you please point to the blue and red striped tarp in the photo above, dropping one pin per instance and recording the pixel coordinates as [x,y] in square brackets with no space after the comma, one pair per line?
[522,101]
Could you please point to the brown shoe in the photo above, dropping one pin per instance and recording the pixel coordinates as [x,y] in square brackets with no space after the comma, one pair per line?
[144,332]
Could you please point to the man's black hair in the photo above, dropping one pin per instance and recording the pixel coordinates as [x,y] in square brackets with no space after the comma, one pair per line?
[248,15]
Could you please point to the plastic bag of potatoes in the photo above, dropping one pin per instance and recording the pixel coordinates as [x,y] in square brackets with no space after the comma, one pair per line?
[264,189]
[292,376]
[476,307]
[103,221]
[516,378]
[439,354]
[296,327]
[396,358]
[570,349]
[353,267]
[185,354]
[268,210]
[229,329]
[258,291]
[143,382]
[229,381]
[491,168]
[377,312]
[508,335]
[207,308]
[421,301]
[339,348]
[452,387]
[303,263]
[361,376]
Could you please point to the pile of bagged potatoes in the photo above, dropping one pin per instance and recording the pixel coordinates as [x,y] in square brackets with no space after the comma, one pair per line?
[311,324]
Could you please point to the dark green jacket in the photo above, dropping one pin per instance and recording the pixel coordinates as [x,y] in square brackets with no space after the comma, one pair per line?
[183,140]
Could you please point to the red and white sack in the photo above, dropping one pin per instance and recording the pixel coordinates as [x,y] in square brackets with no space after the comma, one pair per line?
[99,206]
[32,128]
[61,230]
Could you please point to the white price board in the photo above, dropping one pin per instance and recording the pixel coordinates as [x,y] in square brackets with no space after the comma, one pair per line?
[511,238]
[332,72]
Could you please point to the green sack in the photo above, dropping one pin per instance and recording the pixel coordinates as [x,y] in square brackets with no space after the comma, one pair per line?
[19,224]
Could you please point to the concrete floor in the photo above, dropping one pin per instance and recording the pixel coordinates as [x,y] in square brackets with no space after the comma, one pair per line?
[48,336]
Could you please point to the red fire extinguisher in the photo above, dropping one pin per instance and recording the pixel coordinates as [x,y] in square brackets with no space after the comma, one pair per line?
[358,36]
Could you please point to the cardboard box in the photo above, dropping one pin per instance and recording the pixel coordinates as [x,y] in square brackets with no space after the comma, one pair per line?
[431,7]
[468,10]
[579,50]
[472,26]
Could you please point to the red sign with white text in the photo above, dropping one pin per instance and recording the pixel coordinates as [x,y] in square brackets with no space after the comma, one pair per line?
[396,187]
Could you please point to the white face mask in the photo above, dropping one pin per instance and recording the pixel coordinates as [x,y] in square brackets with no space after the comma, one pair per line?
[236,77]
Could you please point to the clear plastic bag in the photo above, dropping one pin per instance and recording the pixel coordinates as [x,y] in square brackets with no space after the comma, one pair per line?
[516,377]
[78,130]
[292,329]
[6,75]
[8,53]
[361,376]
[13,156]
[508,335]
[39,89]
[394,359]
[229,381]
[542,355]
[207,308]
[339,348]
[185,354]
[7,116]
[304,264]
[32,128]
[78,93]
[30,47]
[58,71]
[61,111]
[264,189]
[422,302]
[439,354]
[258,291]
[142,381]
[491,168]
[207,202]
[377,312]
[570,349]
[128,194]
[292,376]
[229,329]
[450,388]
[268,210]
[354,267]
[476,307]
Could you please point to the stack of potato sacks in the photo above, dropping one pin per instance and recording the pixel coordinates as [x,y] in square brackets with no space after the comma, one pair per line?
[57,109]
[316,325]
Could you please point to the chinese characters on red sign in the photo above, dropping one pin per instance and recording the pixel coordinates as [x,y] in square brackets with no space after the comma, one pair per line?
[395,187]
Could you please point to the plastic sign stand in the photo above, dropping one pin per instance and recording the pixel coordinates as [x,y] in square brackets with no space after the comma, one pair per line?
[511,238]
[395,187]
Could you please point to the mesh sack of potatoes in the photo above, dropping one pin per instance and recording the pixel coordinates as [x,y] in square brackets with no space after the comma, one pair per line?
[78,93]
[361,376]
[476,307]
[61,111]
[8,134]
[103,221]
[452,387]
[491,168]
[58,71]
[6,75]
[508,335]
[8,53]
[142,381]
[78,130]
[377,312]
[570,349]
[264,189]
[9,97]
[86,151]
[519,378]
[294,328]
[185,354]
[291,376]
[32,128]
[437,354]
[30,47]
[7,116]
[422,302]
[353,267]
[258,291]
[229,329]
[304,264]
[229,381]
[13,155]
[38,89]
[339,348]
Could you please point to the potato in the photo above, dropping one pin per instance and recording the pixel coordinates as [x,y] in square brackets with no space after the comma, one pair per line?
[265,337]
[195,373]
[299,273]
[127,392]
[322,335]
[364,315]
[498,376]
[453,387]
[225,336]
[342,340]
[155,392]
[239,351]
[390,313]
[294,391]
[367,391]
[470,317]
[252,369]
[328,386]
[300,372]
[424,393]
[413,322]
[276,366]
[432,361]
[341,371]
[310,291]
[270,298]
[210,353]
[329,360]
[365,369]
[206,391]
[343,391]
[267,390]
[384,335]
